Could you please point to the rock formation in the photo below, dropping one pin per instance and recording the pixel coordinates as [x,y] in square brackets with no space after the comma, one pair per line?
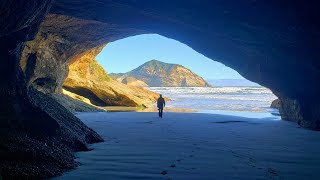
[38,136]
[155,73]
[75,103]
[88,79]
[133,82]
[273,43]
[275,104]
[256,38]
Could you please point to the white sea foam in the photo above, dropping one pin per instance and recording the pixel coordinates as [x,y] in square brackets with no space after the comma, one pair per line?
[218,98]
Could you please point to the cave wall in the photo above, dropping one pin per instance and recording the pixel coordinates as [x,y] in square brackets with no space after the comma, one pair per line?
[62,39]
[256,38]
[37,135]
[275,44]
[18,26]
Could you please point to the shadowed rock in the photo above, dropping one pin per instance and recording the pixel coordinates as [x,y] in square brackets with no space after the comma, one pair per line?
[275,104]
[273,43]
[258,39]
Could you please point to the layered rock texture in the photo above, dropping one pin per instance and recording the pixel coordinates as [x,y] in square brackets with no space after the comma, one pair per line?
[273,43]
[38,136]
[155,73]
[88,79]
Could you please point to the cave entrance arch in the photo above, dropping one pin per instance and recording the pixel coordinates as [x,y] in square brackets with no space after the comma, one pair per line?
[268,36]
[258,43]
[163,57]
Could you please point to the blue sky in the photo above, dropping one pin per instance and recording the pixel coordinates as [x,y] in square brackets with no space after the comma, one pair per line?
[126,54]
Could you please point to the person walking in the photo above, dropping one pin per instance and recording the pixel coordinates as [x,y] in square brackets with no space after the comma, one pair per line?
[161,104]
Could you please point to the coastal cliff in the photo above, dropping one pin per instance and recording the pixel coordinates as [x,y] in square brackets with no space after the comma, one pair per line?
[88,79]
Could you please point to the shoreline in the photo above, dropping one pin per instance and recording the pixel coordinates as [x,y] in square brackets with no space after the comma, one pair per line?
[272,111]
[147,109]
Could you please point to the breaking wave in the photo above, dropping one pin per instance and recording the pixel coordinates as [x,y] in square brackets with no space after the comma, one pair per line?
[218,98]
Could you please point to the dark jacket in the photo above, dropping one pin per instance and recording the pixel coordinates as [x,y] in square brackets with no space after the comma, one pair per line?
[161,103]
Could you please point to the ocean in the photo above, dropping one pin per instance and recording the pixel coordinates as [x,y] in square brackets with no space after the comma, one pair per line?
[232,99]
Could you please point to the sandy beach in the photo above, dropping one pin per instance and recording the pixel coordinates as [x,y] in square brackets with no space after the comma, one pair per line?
[148,109]
[197,146]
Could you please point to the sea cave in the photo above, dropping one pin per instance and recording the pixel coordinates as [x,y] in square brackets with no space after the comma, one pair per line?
[275,44]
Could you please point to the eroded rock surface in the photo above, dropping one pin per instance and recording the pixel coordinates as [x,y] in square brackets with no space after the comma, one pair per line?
[38,136]
[60,40]
[88,79]
[275,44]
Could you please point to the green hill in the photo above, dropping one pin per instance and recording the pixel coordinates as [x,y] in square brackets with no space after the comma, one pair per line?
[155,73]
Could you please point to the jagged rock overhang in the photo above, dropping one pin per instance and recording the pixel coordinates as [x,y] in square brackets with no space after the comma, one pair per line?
[273,43]
[266,42]
[255,38]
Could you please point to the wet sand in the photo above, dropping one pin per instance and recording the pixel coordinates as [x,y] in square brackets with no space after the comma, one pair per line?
[140,109]
[197,146]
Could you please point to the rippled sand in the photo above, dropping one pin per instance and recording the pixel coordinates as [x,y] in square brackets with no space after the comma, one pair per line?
[197,146]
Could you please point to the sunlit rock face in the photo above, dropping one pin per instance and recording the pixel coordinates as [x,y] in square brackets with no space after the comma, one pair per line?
[45,59]
[88,79]
[273,43]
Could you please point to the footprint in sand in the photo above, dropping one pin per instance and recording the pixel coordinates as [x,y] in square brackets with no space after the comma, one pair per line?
[272,172]
[164,172]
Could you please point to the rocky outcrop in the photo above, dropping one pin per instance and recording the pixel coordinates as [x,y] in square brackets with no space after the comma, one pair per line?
[301,112]
[275,104]
[88,79]
[133,82]
[155,73]
[75,103]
